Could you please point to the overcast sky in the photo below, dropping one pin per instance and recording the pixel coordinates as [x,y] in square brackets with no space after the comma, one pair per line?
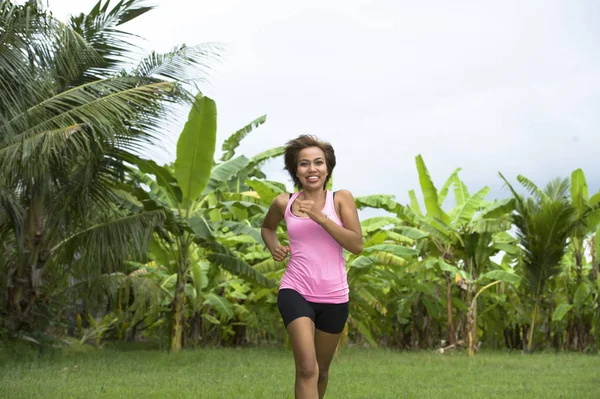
[488,86]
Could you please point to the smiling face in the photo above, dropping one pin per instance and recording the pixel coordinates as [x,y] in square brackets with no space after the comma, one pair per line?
[311,168]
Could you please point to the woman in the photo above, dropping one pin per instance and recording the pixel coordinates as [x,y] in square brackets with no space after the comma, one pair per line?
[313,295]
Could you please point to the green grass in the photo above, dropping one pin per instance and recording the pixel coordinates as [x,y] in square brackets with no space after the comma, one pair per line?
[269,373]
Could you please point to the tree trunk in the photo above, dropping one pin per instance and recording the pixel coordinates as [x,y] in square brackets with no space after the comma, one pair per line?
[525,339]
[594,260]
[451,334]
[471,322]
[24,282]
[177,313]
[508,337]
[579,264]
[518,341]
[532,326]
[24,278]
[195,329]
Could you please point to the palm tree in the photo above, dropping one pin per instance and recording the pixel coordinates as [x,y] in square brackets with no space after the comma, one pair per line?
[69,117]
[544,222]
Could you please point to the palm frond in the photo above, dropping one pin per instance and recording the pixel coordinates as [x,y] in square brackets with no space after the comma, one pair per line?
[141,292]
[517,197]
[533,189]
[109,242]
[42,148]
[72,57]
[11,212]
[26,34]
[558,189]
[115,103]
[543,234]
[99,28]
[182,64]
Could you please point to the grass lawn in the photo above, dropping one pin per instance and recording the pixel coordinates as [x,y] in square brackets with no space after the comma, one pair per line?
[269,373]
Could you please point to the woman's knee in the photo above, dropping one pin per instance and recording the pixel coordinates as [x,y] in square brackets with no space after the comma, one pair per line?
[307,369]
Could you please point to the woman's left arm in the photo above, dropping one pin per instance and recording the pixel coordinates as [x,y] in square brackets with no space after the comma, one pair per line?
[348,236]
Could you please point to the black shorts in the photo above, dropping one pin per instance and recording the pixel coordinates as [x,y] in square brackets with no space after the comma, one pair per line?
[328,317]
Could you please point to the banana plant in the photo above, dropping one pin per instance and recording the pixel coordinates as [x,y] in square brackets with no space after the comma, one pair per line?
[461,241]
[204,203]
[458,244]
[587,221]
[184,193]
[497,276]
[389,245]
[587,216]
[388,248]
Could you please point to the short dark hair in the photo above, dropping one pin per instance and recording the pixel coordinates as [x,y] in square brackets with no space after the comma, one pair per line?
[293,148]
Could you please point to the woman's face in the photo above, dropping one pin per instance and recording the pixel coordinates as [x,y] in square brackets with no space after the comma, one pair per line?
[311,168]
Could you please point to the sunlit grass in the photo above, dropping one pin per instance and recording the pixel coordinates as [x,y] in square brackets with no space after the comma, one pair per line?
[269,373]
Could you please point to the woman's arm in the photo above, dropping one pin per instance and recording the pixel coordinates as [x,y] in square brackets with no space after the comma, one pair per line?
[348,236]
[268,230]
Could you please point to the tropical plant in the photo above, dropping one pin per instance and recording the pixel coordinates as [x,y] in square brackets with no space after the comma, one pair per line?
[461,242]
[192,196]
[69,117]
[544,223]
[576,283]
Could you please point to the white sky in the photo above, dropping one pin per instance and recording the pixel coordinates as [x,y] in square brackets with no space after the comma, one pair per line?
[488,86]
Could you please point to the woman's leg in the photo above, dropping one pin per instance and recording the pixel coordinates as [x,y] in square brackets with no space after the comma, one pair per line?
[325,346]
[302,335]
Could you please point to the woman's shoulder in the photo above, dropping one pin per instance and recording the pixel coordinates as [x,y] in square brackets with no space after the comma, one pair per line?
[343,194]
[343,198]
[282,200]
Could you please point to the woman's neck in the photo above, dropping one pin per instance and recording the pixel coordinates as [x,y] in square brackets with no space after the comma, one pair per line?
[313,195]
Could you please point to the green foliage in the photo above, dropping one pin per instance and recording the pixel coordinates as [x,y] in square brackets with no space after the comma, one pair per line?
[195,148]
[430,194]
[234,140]
[100,245]
[543,229]
[71,116]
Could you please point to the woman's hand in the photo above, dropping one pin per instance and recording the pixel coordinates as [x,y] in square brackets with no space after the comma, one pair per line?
[280,252]
[308,207]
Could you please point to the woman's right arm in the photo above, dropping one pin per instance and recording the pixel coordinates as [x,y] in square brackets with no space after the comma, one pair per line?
[268,230]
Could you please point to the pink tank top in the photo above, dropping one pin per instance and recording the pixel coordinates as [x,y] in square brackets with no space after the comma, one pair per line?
[316,268]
